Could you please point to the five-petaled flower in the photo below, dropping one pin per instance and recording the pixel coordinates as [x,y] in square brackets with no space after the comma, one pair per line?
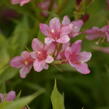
[42,55]
[55,32]
[23,62]
[78,59]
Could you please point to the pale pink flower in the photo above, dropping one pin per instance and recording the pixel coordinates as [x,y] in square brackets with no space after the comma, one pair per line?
[23,62]
[55,32]
[76,26]
[8,97]
[41,55]
[78,59]
[21,2]
[96,32]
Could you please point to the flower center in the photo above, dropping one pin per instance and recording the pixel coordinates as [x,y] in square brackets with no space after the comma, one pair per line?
[74,58]
[41,55]
[28,61]
[54,34]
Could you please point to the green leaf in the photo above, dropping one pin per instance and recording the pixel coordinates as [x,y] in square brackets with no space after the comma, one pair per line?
[98,13]
[20,103]
[7,73]
[57,99]
[20,37]
[4,57]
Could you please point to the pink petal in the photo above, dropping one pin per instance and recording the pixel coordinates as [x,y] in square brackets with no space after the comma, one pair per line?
[33,55]
[25,54]
[103,49]
[39,65]
[64,39]
[24,71]
[44,5]
[49,59]
[94,33]
[76,26]
[67,53]
[15,1]
[1,97]
[23,2]
[92,37]
[36,44]
[85,56]
[55,24]
[16,62]
[65,30]
[50,48]
[11,96]
[44,29]
[76,46]
[48,40]
[82,68]
[66,20]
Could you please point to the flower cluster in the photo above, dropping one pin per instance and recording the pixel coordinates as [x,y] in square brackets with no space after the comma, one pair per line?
[10,96]
[56,48]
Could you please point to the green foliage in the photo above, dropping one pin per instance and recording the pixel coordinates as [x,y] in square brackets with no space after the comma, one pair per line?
[57,99]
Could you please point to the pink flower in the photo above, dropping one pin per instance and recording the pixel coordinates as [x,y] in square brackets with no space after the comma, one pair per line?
[55,32]
[76,26]
[23,62]
[44,5]
[61,54]
[78,59]
[8,97]
[96,32]
[41,55]
[21,2]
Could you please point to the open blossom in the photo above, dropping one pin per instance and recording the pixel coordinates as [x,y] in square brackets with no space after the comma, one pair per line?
[8,97]
[41,55]
[78,59]
[76,26]
[21,2]
[23,62]
[96,32]
[55,32]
